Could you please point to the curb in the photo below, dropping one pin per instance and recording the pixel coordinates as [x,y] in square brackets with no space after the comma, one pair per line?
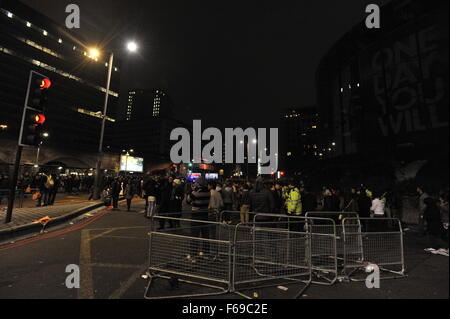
[33,227]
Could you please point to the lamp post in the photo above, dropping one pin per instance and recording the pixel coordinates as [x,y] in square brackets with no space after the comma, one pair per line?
[132,47]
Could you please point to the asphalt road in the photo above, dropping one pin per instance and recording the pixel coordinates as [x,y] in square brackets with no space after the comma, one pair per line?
[111,249]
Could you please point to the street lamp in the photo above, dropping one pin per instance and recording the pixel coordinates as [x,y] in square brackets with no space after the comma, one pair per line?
[130,48]
[94,53]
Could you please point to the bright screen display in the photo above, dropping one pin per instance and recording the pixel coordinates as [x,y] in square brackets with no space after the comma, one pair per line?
[131,164]
[194,176]
[212,176]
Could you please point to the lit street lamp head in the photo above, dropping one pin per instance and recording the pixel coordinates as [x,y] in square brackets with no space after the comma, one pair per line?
[94,53]
[132,46]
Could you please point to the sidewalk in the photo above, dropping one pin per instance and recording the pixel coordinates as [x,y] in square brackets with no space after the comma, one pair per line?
[61,199]
[24,218]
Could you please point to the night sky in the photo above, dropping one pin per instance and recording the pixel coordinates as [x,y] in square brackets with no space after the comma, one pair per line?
[229,63]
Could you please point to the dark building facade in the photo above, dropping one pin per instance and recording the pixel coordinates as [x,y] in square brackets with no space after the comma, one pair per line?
[149,138]
[299,136]
[146,127]
[147,104]
[31,41]
[383,94]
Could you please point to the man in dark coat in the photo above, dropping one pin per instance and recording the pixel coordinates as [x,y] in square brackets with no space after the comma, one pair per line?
[164,203]
[176,200]
[199,199]
[115,192]
[261,201]
[277,194]
[309,200]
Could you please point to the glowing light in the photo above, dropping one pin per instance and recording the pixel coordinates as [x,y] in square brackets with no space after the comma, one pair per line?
[132,46]
[94,53]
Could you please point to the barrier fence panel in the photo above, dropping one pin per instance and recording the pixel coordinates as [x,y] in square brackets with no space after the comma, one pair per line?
[337,217]
[216,251]
[189,254]
[322,243]
[266,254]
[379,242]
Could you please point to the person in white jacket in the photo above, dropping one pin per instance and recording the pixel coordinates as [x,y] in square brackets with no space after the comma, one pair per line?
[378,210]
[378,207]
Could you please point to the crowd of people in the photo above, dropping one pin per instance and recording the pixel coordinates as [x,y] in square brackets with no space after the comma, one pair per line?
[289,199]
[44,187]
[166,194]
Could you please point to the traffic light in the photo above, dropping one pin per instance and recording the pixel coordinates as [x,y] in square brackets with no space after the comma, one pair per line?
[33,128]
[34,119]
[37,95]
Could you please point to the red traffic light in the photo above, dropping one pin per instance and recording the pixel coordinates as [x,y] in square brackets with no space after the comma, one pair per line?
[39,119]
[45,84]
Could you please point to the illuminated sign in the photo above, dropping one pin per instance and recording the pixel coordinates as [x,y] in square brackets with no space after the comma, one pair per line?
[131,164]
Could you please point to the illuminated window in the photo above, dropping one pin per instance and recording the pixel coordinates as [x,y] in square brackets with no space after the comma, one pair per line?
[94,114]
[55,70]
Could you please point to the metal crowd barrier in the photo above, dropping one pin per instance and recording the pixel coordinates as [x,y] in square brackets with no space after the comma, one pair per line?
[376,241]
[218,252]
[325,262]
[225,258]
[323,244]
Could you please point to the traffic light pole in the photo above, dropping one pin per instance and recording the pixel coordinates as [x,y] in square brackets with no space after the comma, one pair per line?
[41,83]
[100,150]
[12,186]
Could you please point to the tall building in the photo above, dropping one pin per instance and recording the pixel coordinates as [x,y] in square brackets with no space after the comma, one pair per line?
[31,41]
[146,127]
[300,136]
[147,104]
[383,94]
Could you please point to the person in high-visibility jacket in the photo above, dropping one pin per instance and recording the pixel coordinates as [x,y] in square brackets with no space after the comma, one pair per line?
[294,208]
[294,201]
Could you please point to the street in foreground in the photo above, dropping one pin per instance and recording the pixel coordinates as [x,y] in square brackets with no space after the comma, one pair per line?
[112,252]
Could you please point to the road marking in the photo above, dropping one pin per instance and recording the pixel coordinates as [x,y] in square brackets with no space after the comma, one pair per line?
[126,237]
[119,228]
[86,290]
[123,266]
[101,234]
[127,284]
